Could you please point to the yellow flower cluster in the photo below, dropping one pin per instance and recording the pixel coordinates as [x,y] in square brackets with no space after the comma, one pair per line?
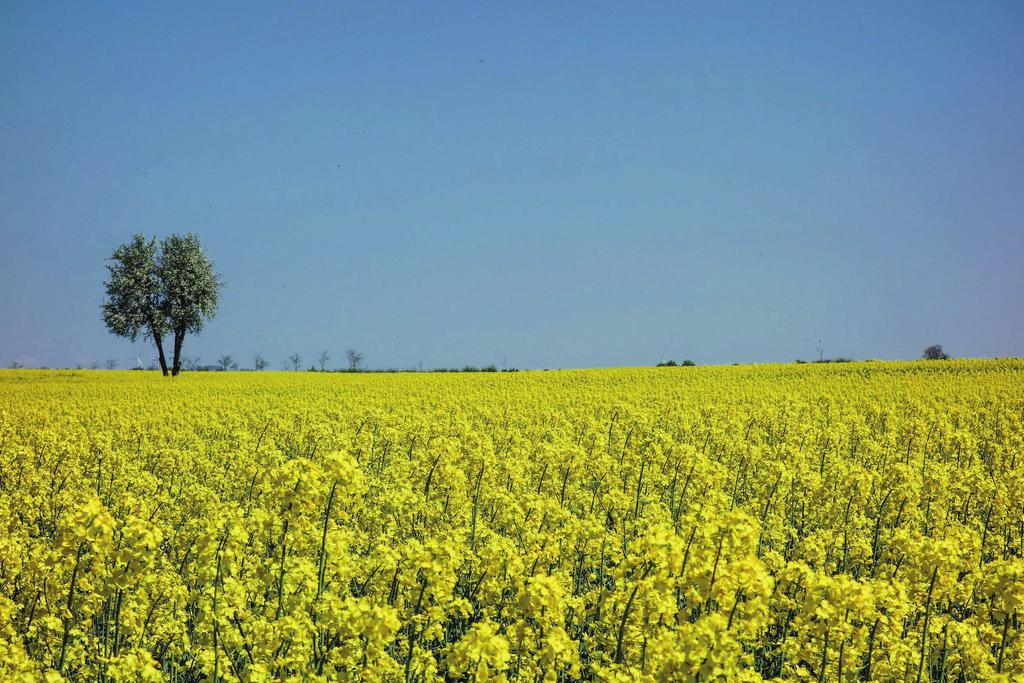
[842,522]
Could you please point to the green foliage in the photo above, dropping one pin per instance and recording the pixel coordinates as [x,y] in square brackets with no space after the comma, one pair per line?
[189,286]
[134,299]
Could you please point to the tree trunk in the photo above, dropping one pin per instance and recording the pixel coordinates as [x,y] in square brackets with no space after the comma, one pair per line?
[179,338]
[160,352]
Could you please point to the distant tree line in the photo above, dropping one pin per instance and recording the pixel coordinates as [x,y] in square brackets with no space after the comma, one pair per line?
[354,363]
[933,352]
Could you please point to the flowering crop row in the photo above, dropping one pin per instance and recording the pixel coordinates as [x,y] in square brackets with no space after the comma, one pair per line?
[850,522]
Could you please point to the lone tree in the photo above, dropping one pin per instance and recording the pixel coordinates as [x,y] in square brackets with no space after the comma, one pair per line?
[159,289]
[322,359]
[935,352]
[259,362]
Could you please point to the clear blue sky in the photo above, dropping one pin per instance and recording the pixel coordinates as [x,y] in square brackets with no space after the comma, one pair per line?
[549,185]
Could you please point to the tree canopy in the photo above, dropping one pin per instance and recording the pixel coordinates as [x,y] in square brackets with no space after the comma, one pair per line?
[133,304]
[161,288]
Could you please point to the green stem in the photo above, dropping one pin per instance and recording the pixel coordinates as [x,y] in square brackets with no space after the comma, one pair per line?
[824,658]
[927,618]
[476,503]
[68,622]
[625,616]
[1002,644]
[322,558]
[280,570]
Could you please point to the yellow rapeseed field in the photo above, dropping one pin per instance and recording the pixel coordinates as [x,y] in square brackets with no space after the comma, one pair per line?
[845,522]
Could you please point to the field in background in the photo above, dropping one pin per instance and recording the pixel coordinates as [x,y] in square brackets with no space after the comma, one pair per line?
[861,521]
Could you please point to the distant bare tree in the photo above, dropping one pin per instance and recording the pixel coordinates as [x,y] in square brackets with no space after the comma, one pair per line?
[295,360]
[354,359]
[190,362]
[259,362]
[322,359]
[226,362]
[111,363]
[15,365]
[935,352]
[95,365]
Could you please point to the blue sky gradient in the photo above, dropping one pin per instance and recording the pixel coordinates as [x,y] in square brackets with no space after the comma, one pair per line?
[542,185]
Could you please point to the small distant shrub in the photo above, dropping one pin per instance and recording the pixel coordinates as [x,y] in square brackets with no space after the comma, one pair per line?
[469,368]
[935,352]
[688,363]
[666,364]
